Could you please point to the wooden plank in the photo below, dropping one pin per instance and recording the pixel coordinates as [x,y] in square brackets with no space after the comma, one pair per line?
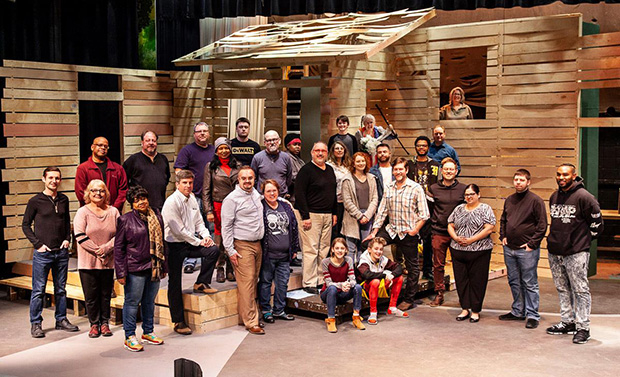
[539,99]
[147,119]
[42,118]
[190,75]
[27,174]
[599,40]
[599,74]
[543,57]
[37,74]
[36,142]
[540,68]
[37,186]
[538,78]
[462,31]
[42,84]
[135,102]
[148,86]
[569,43]
[40,94]
[100,96]
[144,95]
[135,140]
[39,106]
[538,88]
[598,122]
[137,129]
[36,152]
[601,63]
[599,84]
[82,68]
[40,130]
[147,110]
[12,163]
[542,24]
[531,112]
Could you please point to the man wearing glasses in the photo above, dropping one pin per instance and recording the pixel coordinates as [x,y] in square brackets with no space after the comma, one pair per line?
[194,157]
[271,163]
[99,166]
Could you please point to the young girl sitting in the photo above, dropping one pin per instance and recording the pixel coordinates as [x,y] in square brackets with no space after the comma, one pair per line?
[379,273]
[340,285]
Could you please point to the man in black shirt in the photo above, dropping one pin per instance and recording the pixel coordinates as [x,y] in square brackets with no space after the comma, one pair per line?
[149,169]
[315,198]
[243,148]
[424,171]
[49,211]
[522,227]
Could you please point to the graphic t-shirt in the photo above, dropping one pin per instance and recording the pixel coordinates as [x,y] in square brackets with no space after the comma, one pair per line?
[277,233]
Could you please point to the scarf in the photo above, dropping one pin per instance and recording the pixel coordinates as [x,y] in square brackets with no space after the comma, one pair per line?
[227,169]
[156,243]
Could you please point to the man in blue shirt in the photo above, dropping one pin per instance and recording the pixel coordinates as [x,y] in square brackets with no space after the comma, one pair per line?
[439,149]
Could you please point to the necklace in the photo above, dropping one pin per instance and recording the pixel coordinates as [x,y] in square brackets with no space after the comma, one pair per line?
[55,204]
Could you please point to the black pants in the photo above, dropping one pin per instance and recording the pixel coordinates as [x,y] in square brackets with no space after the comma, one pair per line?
[408,246]
[338,227]
[471,273]
[97,286]
[177,252]
[427,250]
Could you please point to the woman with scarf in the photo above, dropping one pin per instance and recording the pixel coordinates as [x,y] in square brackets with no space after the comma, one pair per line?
[140,262]
[220,178]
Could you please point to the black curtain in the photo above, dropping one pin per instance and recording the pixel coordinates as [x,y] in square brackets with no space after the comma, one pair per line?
[178,32]
[93,32]
[233,8]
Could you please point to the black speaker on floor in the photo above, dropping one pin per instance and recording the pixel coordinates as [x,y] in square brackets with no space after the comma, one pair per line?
[186,368]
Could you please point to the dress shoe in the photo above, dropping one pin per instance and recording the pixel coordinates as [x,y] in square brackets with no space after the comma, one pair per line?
[105,330]
[474,320]
[284,316]
[221,276]
[37,331]
[438,300]
[428,276]
[531,323]
[188,269]
[182,328]
[510,317]
[311,290]
[66,325]
[268,318]
[405,306]
[204,288]
[230,276]
[463,317]
[256,330]
[296,263]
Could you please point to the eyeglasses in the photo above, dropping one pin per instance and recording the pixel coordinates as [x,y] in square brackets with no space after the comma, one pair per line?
[272,140]
[471,194]
[97,191]
[201,132]
[104,146]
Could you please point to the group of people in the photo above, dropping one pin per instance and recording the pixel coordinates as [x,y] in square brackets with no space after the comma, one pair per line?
[248,214]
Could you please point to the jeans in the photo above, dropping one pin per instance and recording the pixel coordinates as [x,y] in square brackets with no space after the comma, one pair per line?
[58,262]
[278,272]
[193,261]
[332,297]
[139,289]
[354,245]
[523,281]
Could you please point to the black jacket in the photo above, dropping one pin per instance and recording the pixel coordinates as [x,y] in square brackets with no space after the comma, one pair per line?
[575,220]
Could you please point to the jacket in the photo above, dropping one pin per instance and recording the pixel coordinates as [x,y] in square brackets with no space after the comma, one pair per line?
[217,184]
[377,173]
[293,231]
[352,213]
[575,220]
[116,181]
[445,199]
[369,270]
[131,245]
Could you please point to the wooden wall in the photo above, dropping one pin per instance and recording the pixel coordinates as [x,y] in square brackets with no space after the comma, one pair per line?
[41,104]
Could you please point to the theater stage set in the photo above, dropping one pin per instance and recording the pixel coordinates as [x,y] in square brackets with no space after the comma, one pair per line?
[536,90]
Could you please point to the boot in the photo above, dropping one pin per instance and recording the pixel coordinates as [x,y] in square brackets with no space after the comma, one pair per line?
[357,322]
[438,300]
[220,278]
[230,274]
[331,324]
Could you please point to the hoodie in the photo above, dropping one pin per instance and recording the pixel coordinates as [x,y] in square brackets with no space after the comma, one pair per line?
[575,220]
[369,270]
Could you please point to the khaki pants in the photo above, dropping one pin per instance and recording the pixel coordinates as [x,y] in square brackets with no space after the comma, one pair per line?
[247,277]
[315,247]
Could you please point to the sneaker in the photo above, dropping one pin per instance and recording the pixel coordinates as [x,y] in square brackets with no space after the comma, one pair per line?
[581,337]
[372,319]
[66,325]
[397,313]
[562,329]
[133,345]
[37,331]
[94,331]
[188,269]
[105,330]
[152,339]
[510,317]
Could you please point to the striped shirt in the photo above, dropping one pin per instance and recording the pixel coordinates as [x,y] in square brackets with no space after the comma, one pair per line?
[469,223]
[404,206]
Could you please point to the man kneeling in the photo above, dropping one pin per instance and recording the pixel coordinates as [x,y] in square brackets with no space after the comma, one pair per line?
[380,274]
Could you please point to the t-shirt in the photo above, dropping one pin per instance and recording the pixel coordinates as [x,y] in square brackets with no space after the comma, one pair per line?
[194,158]
[103,166]
[387,176]
[362,190]
[244,151]
[277,232]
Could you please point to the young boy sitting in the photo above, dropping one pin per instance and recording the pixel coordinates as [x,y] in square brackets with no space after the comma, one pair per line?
[379,273]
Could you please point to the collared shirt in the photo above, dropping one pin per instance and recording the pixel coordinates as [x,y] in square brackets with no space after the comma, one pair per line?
[242,218]
[439,152]
[405,206]
[182,219]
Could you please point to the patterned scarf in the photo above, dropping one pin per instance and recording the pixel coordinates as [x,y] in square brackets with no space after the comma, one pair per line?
[156,243]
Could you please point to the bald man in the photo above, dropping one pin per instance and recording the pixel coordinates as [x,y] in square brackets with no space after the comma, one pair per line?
[271,163]
[99,166]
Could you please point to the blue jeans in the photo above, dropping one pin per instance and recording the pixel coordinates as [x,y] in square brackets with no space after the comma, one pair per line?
[58,262]
[332,297]
[139,289]
[278,272]
[523,281]
[193,261]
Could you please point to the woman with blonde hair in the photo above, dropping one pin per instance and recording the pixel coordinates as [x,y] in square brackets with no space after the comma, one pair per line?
[456,107]
[340,160]
[95,227]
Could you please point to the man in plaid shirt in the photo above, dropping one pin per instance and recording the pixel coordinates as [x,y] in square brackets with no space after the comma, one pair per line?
[404,203]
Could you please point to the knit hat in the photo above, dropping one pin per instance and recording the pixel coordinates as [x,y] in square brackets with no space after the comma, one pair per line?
[221,141]
[290,138]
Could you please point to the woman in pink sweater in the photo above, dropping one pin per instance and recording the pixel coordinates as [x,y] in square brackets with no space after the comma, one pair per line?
[95,226]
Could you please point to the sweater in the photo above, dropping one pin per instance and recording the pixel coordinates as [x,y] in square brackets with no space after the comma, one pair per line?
[575,220]
[94,232]
[277,167]
[523,221]
[153,175]
[315,190]
[51,218]
[445,199]
[336,275]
